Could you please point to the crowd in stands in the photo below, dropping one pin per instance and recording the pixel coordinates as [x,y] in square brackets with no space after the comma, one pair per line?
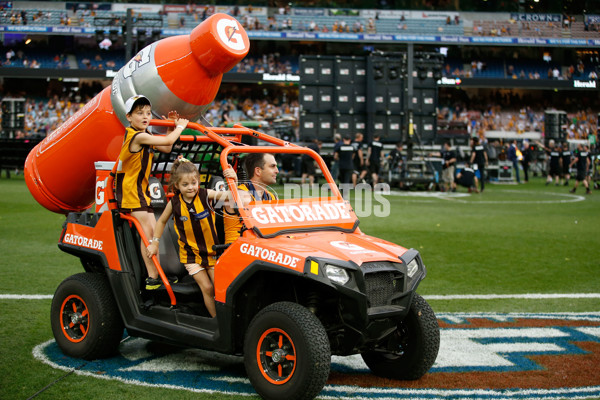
[42,116]
[515,69]
[271,63]
[511,112]
[357,25]
[499,112]
[275,63]
[34,59]
[518,28]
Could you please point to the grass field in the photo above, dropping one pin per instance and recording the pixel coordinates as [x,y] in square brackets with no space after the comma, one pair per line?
[509,240]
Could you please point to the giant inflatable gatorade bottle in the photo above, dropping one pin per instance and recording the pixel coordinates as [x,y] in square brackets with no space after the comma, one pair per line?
[181,73]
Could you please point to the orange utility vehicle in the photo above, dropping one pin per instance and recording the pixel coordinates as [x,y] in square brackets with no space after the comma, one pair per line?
[302,282]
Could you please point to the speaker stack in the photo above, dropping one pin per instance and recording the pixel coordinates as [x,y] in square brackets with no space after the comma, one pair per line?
[13,115]
[351,94]
[555,123]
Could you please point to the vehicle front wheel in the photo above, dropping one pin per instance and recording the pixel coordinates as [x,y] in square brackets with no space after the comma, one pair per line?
[410,351]
[287,353]
[84,316]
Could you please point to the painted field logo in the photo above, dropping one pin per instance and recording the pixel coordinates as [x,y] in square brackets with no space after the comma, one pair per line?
[482,356]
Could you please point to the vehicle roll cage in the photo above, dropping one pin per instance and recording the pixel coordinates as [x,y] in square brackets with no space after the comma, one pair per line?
[230,139]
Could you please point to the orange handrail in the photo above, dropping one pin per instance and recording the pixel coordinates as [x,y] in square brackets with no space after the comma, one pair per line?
[214,134]
[161,273]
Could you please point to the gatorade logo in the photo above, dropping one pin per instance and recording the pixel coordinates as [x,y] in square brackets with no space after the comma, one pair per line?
[228,32]
[100,186]
[140,59]
[154,189]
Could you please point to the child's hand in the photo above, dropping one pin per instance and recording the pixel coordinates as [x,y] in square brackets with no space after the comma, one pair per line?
[181,121]
[173,115]
[152,249]
[230,173]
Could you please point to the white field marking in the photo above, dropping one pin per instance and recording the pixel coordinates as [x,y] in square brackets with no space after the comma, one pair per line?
[570,198]
[524,296]
[38,353]
[435,195]
[460,197]
[26,296]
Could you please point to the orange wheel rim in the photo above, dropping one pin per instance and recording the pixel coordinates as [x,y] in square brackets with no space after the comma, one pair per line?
[276,356]
[74,318]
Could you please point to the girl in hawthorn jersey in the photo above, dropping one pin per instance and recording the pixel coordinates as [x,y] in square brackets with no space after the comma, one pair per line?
[192,209]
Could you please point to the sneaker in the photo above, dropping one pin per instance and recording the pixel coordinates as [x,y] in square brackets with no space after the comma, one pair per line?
[588,191]
[153,283]
[572,190]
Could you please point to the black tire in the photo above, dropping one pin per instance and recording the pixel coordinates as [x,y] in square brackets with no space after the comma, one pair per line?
[413,346]
[85,319]
[287,353]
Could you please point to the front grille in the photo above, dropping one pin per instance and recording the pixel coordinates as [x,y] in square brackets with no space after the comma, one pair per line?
[383,283]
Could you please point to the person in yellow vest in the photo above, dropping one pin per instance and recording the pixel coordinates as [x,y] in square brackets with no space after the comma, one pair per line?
[135,165]
[192,209]
[262,171]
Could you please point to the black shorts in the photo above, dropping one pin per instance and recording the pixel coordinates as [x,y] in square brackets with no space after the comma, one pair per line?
[554,170]
[581,175]
[308,166]
[374,168]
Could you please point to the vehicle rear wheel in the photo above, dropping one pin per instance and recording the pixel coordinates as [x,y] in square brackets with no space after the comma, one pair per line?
[85,319]
[287,353]
[410,351]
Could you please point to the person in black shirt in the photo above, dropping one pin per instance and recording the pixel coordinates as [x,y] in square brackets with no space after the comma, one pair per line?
[591,167]
[554,155]
[467,178]
[395,160]
[565,156]
[479,157]
[344,155]
[360,169]
[582,160]
[513,156]
[308,163]
[374,158]
[335,169]
[448,166]
[528,151]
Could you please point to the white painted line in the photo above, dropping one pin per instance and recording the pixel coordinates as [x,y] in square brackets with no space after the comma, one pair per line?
[26,296]
[466,198]
[525,296]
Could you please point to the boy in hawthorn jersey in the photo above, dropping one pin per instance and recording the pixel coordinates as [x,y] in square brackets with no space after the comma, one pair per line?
[135,164]
[194,220]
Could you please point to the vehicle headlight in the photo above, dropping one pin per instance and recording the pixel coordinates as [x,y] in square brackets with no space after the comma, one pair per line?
[412,268]
[337,274]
